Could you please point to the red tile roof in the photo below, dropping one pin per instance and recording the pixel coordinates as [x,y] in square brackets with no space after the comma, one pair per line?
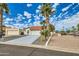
[36,28]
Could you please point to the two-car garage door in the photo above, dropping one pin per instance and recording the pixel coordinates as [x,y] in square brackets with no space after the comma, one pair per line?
[11,32]
[34,33]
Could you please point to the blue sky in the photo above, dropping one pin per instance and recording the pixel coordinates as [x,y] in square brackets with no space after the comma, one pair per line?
[28,14]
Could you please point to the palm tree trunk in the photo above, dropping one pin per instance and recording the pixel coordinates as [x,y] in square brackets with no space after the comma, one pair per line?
[47,22]
[1,24]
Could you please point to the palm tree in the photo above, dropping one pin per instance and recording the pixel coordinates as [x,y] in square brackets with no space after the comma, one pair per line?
[46,11]
[43,23]
[3,8]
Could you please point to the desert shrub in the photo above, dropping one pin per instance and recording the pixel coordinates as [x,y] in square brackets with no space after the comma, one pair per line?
[22,33]
[44,34]
[57,31]
[68,31]
[63,33]
[78,27]
[51,28]
[27,31]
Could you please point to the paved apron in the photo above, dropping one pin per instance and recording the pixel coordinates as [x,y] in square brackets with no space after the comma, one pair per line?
[24,40]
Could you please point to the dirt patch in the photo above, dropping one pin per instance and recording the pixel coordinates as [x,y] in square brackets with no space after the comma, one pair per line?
[40,42]
[65,41]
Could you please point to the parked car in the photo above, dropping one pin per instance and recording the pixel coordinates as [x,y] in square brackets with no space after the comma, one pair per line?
[22,33]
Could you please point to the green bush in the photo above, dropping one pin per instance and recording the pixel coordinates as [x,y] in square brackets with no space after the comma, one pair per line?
[51,28]
[45,33]
[27,31]
[78,27]
[68,31]
[63,33]
[57,31]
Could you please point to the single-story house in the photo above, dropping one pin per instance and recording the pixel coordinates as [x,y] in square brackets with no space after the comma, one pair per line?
[26,31]
[8,31]
[11,31]
[35,30]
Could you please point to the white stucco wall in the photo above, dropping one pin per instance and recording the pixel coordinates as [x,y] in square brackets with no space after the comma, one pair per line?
[31,32]
[25,32]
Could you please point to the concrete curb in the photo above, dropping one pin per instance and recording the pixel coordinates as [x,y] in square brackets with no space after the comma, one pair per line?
[46,47]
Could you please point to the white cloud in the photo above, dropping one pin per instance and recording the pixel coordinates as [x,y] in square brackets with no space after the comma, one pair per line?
[76,6]
[23,17]
[77,12]
[4,16]
[19,14]
[39,7]
[43,18]
[9,25]
[66,8]
[29,5]
[55,5]
[8,19]
[65,13]
[37,11]
[68,23]
[25,22]
[29,20]
[18,25]
[30,24]
[25,25]
[27,14]
[60,15]
[51,20]
[36,17]
[36,23]
[19,17]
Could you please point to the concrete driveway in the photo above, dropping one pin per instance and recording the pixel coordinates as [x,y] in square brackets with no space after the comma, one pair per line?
[23,40]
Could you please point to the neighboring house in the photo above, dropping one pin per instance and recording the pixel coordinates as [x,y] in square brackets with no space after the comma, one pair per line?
[8,31]
[11,31]
[35,30]
[26,31]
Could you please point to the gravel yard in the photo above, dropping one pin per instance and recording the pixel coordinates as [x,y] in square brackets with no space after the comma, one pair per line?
[65,41]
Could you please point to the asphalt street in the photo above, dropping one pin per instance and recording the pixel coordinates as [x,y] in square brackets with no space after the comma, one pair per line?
[11,50]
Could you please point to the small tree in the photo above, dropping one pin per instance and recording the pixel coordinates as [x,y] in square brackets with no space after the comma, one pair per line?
[44,34]
[28,32]
[68,31]
[63,32]
[78,27]
[57,31]
[73,28]
[51,28]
